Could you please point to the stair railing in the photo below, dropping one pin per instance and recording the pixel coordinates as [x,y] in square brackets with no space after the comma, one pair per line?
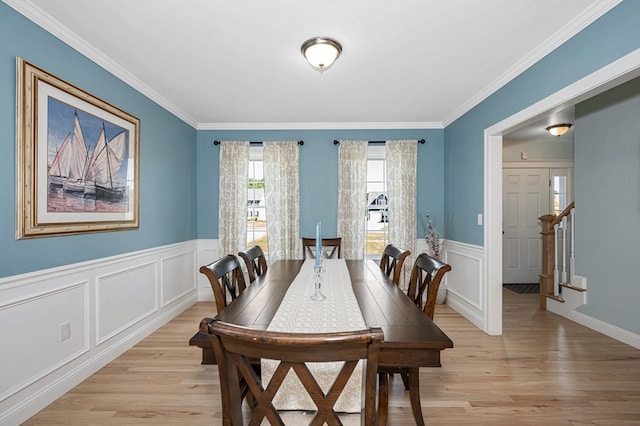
[557,243]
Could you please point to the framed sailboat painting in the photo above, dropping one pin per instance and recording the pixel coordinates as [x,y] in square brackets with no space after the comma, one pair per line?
[77,159]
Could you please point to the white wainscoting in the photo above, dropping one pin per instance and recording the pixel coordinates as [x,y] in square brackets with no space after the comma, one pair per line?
[208,251]
[465,282]
[176,276]
[108,305]
[139,284]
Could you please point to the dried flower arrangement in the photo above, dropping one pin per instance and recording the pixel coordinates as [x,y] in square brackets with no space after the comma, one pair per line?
[434,249]
[432,237]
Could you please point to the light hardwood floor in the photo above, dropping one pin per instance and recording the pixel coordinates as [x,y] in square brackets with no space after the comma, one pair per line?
[544,369]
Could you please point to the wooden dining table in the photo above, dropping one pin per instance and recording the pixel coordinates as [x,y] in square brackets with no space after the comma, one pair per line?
[411,339]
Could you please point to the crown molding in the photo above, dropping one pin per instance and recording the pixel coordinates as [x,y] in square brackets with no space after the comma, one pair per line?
[321,126]
[53,26]
[580,22]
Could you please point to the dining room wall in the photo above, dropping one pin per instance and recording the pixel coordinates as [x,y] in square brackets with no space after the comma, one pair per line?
[167,154]
[608,40]
[107,290]
[319,173]
[318,180]
[610,37]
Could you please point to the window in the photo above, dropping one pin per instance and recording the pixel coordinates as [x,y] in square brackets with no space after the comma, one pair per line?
[256,213]
[377,226]
[560,189]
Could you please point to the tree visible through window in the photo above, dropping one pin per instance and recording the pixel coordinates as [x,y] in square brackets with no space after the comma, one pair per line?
[256,212]
[377,223]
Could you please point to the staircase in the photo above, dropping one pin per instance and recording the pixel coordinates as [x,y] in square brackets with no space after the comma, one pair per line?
[561,290]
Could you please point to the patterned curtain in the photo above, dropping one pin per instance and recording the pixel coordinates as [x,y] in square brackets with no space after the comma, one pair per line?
[352,197]
[234,172]
[282,200]
[401,186]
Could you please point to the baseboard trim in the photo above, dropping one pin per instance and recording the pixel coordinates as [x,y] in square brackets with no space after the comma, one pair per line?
[463,308]
[610,330]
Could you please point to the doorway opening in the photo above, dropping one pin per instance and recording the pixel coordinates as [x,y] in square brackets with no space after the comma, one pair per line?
[614,74]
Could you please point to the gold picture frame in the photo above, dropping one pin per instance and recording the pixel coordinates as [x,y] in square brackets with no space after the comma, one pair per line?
[77,159]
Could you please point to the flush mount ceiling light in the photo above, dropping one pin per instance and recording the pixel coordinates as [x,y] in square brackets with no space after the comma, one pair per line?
[559,129]
[321,52]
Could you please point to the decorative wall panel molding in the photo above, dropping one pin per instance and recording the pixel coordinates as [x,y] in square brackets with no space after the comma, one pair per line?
[64,308]
[465,281]
[133,292]
[84,315]
[178,275]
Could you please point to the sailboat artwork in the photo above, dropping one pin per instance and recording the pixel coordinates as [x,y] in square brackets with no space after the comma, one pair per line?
[69,161]
[87,173]
[78,159]
[107,159]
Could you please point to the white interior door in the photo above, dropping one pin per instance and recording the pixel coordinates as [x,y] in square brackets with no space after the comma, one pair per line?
[525,198]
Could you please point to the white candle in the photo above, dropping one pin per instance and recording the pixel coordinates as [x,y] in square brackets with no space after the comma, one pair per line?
[318,243]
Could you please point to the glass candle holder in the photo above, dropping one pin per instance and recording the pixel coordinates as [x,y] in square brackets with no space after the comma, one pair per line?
[317,293]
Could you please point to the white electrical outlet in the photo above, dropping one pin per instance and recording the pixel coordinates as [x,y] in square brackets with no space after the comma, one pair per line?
[65,331]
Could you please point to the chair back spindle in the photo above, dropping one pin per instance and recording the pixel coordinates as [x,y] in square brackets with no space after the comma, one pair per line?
[330,248]
[392,260]
[225,276]
[426,276]
[255,261]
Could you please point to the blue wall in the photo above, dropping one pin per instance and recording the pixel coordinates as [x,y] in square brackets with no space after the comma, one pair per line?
[607,188]
[606,246]
[612,36]
[319,173]
[178,202]
[167,155]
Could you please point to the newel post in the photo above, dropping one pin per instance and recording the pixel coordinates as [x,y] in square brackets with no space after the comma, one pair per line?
[548,261]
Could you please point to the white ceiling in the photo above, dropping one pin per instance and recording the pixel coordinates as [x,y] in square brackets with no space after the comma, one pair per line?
[237,64]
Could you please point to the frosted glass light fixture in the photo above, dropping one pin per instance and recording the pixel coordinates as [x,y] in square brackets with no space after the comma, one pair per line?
[321,52]
[559,129]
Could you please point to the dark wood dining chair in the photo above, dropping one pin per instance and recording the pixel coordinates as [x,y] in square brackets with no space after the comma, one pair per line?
[225,276]
[256,262]
[330,248]
[426,275]
[391,262]
[234,345]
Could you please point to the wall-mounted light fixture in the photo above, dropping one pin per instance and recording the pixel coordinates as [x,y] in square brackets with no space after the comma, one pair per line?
[559,129]
[321,52]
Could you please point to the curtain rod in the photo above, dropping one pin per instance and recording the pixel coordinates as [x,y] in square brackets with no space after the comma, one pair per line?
[337,142]
[255,143]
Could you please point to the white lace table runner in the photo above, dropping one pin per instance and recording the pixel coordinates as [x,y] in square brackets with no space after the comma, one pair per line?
[298,313]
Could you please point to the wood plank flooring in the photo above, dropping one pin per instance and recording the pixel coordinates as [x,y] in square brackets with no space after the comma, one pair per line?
[544,369]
